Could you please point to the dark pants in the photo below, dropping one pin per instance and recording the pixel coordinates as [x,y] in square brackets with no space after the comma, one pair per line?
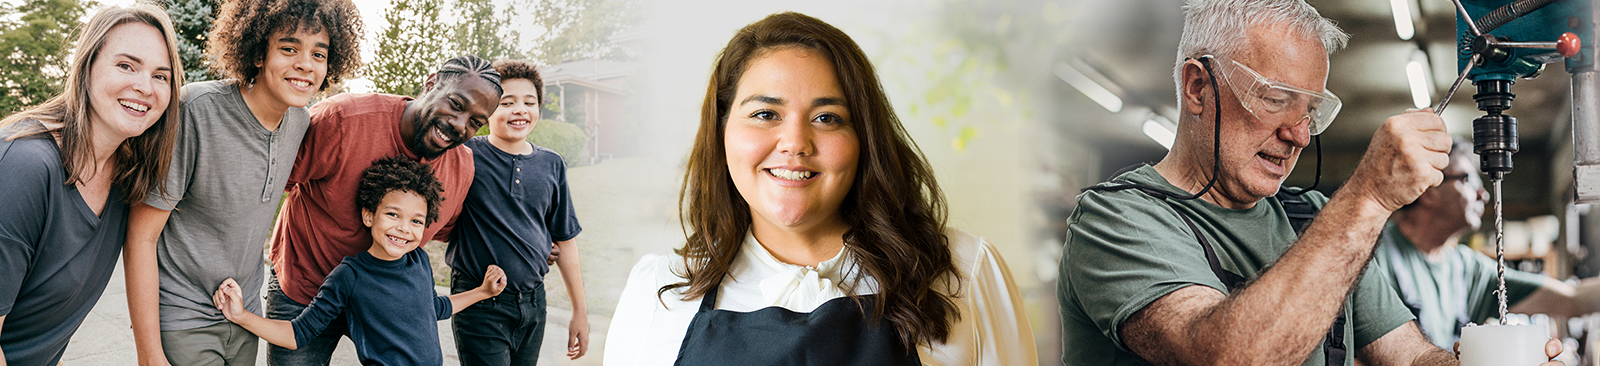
[319,350]
[502,330]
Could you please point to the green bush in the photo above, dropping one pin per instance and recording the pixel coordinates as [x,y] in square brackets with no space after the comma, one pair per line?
[564,138]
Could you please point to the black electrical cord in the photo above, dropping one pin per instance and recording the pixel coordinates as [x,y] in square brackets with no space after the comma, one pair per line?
[1317,140]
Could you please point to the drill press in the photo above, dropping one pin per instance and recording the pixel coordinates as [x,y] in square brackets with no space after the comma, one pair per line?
[1500,41]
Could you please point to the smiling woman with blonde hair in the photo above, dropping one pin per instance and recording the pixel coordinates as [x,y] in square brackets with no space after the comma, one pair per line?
[815,230]
[71,167]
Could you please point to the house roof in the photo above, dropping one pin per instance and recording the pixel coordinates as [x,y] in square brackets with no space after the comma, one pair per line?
[602,75]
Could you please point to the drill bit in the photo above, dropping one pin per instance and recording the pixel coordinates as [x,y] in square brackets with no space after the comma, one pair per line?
[1499,248]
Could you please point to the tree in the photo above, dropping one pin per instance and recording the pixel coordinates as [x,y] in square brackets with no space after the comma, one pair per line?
[192,19]
[484,32]
[409,48]
[34,49]
[579,29]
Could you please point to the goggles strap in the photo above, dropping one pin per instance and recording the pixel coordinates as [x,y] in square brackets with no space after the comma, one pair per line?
[1216,135]
[1316,140]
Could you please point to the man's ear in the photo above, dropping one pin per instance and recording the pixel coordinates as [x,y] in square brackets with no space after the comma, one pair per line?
[1195,94]
[427,84]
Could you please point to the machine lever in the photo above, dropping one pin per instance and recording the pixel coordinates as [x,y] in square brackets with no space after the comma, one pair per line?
[1464,71]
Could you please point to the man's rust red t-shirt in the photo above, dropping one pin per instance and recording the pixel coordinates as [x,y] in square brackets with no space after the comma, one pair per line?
[319,223]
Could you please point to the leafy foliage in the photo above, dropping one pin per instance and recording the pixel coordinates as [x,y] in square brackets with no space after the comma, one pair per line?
[485,31]
[564,138]
[34,50]
[192,19]
[580,29]
[409,48]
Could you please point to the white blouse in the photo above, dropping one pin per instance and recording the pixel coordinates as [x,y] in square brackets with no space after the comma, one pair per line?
[993,328]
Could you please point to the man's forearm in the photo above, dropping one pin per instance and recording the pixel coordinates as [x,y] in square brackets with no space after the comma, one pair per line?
[572,276]
[1280,317]
[143,284]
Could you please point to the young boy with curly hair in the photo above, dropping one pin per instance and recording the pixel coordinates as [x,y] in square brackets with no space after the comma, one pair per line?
[517,207]
[237,141]
[384,294]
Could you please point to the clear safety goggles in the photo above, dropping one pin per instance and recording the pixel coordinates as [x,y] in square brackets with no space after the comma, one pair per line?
[1272,100]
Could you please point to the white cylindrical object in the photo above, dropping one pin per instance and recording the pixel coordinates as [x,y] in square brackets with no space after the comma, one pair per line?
[1504,345]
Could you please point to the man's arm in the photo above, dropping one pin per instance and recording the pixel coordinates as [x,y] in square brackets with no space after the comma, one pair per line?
[1561,299]
[1281,317]
[1404,346]
[578,328]
[144,297]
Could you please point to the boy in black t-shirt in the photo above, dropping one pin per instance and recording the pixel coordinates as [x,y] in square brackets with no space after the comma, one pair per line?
[385,292]
[518,206]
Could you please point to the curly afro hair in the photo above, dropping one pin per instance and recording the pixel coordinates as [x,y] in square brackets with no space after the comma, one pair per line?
[520,69]
[397,173]
[239,38]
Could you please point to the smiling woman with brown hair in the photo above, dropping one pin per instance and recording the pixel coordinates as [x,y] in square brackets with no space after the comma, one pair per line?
[816,231]
[72,165]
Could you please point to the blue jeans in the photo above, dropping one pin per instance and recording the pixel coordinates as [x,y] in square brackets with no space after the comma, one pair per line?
[502,330]
[319,350]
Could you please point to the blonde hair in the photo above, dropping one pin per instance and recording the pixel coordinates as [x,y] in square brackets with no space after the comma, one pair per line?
[141,160]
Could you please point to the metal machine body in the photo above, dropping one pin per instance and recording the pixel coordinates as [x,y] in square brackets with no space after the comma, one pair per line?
[1517,42]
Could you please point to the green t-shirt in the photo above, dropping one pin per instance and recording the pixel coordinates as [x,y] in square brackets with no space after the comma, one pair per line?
[1441,290]
[1125,249]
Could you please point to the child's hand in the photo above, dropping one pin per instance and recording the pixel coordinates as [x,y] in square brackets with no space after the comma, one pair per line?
[494,280]
[230,299]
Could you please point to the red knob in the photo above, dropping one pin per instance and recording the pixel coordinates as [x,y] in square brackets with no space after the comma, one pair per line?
[1568,44]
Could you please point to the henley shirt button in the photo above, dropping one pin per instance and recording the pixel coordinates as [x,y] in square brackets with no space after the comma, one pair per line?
[518,181]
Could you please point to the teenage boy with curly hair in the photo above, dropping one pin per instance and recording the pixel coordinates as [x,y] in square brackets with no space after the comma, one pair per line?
[237,141]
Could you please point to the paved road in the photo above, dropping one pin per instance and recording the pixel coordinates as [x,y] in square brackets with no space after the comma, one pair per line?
[106,339]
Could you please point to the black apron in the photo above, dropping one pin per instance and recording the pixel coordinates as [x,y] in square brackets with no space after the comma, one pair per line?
[836,333]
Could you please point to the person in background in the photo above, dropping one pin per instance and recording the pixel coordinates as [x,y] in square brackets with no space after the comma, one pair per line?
[237,141]
[1446,284]
[72,166]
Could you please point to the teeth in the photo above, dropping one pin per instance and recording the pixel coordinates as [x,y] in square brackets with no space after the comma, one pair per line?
[441,136]
[790,174]
[134,106]
[398,241]
[300,83]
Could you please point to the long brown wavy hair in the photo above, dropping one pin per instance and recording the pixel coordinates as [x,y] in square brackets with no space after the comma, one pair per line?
[141,160]
[895,209]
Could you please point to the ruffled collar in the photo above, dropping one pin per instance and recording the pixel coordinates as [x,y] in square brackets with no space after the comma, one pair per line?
[791,286]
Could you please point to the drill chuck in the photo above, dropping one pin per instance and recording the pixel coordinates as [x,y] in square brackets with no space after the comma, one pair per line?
[1494,136]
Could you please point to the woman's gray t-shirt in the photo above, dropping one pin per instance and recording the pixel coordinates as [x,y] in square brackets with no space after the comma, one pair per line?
[56,255]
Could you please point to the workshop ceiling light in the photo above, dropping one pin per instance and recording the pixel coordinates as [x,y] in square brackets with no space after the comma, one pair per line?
[1417,75]
[1085,80]
[1158,131]
[1402,19]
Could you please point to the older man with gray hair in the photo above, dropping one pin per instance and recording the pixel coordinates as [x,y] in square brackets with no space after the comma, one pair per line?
[1201,258]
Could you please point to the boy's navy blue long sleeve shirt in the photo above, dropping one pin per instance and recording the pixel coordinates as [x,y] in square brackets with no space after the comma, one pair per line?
[391,306]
